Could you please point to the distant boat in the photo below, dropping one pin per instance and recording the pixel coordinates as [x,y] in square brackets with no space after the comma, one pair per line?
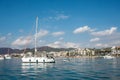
[108,56]
[1,57]
[34,58]
[7,56]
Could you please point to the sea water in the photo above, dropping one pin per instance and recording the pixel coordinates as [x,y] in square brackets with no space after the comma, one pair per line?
[62,69]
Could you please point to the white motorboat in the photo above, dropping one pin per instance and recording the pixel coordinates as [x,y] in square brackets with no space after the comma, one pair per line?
[34,58]
[1,57]
[7,56]
[108,56]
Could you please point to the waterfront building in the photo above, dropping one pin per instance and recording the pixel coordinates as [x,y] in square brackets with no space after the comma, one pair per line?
[115,50]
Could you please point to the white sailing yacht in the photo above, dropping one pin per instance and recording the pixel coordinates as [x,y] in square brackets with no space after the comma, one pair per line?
[34,58]
[7,56]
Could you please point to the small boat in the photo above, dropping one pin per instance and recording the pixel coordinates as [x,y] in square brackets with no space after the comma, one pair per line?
[33,58]
[1,57]
[7,56]
[108,56]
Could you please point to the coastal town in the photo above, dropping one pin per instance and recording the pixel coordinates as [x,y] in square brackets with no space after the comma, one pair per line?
[74,52]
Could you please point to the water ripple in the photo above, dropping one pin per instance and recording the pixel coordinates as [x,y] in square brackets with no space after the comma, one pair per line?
[73,69]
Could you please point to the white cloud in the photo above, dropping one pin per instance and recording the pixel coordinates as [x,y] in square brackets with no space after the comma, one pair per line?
[61,16]
[94,39]
[42,33]
[2,38]
[56,17]
[61,38]
[60,44]
[41,41]
[55,34]
[105,32]
[22,41]
[21,30]
[56,44]
[71,45]
[9,34]
[82,29]
[101,45]
[115,43]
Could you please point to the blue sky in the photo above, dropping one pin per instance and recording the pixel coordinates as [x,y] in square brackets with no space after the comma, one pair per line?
[62,23]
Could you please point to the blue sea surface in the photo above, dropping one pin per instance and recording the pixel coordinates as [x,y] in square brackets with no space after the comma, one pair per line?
[63,69]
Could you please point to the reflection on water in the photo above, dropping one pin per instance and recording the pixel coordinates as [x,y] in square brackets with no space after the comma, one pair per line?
[63,69]
[35,71]
[36,65]
[91,68]
[34,68]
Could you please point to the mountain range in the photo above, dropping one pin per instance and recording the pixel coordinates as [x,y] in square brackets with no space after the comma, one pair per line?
[44,48]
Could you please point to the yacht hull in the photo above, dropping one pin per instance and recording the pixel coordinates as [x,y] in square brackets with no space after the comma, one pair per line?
[37,60]
[108,57]
[7,56]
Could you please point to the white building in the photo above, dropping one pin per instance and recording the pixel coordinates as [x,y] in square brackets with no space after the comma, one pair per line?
[115,50]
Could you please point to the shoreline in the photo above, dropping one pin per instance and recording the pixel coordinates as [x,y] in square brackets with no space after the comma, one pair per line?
[81,56]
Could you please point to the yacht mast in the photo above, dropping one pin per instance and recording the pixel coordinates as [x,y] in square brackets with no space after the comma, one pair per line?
[36,35]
